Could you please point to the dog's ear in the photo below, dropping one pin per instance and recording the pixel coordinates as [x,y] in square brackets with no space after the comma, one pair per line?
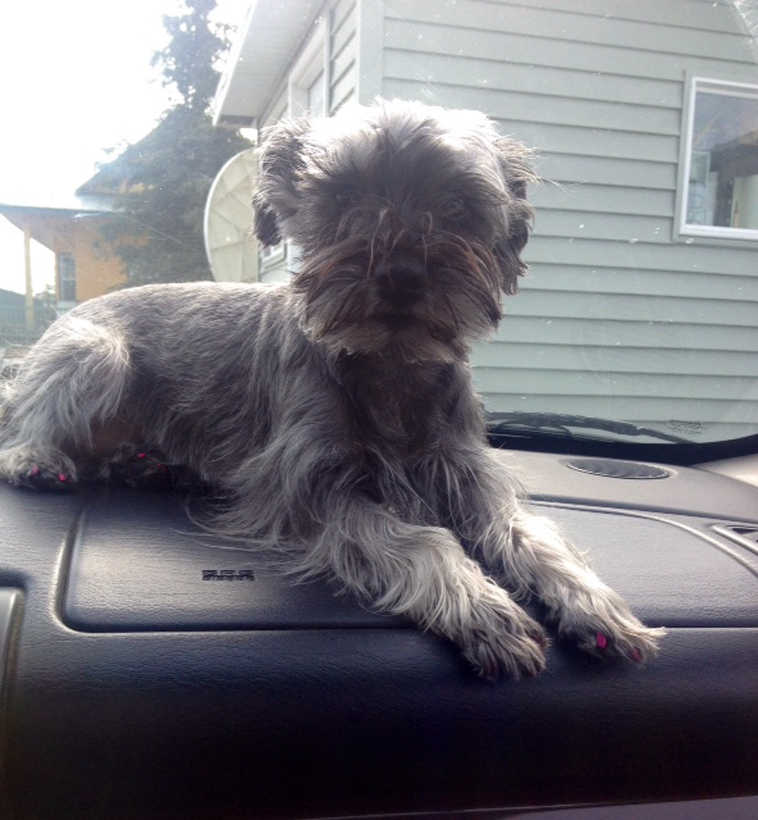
[280,163]
[265,221]
[515,161]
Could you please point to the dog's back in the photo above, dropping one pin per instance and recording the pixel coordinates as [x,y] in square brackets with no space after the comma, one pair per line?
[179,359]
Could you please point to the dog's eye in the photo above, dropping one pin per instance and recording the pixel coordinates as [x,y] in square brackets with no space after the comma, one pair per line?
[453,208]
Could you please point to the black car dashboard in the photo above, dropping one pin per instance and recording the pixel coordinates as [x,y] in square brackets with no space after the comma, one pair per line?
[152,670]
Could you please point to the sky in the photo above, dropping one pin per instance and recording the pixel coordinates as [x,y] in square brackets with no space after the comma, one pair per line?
[75,81]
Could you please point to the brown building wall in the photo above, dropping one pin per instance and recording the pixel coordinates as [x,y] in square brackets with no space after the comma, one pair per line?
[98,269]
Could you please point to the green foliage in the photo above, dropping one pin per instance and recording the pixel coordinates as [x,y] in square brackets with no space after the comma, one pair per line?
[160,183]
[188,59]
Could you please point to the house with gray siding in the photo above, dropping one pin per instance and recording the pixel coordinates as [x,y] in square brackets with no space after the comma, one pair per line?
[641,302]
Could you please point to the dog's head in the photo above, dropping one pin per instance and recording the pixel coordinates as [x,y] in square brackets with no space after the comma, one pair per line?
[411,220]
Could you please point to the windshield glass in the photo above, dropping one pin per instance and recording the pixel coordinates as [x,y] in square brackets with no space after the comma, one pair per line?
[129,159]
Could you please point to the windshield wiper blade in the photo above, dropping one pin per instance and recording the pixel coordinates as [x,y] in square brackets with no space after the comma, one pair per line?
[560,424]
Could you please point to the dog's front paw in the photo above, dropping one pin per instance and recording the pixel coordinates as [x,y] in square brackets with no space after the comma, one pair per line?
[506,645]
[638,643]
[611,630]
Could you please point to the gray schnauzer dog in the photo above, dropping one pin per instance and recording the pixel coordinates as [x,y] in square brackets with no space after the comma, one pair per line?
[336,412]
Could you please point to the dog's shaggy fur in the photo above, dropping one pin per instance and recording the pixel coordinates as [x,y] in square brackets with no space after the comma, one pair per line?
[336,411]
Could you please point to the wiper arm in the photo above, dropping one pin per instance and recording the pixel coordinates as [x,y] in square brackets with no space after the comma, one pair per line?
[560,424]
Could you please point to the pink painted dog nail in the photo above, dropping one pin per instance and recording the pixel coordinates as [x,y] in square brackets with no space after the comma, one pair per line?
[636,656]
[34,471]
[61,476]
[141,455]
[601,641]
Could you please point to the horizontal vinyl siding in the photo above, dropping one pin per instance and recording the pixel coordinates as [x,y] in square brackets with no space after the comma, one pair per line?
[545,108]
[626,57]
[619,306]
[596,29]
[636,255]
[534,79]
[576,336]
[679,284]
[628,385]
[614,318]
[608,199]
[621,360]
[706,15]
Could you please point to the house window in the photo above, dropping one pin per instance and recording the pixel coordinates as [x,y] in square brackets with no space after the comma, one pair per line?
[308,77]
[316,95]
[307,93]
[66,278]
[719,196]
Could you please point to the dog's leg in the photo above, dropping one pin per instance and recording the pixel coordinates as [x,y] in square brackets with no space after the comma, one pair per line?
[72,379]
[424,573]
[582,606]
[531,557]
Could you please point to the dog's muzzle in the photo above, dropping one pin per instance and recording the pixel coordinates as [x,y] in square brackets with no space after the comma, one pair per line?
[400,279]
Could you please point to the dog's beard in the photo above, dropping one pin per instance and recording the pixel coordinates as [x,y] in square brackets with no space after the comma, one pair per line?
[343,311]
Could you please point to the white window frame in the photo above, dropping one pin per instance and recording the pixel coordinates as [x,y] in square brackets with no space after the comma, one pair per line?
[312,60]
[709,85]
[271,254]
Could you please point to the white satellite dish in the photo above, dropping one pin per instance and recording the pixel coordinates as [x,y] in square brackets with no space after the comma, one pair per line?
[230,244]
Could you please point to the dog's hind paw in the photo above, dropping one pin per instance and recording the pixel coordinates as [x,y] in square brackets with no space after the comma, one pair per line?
[144,467]
[23,468]
[43,479]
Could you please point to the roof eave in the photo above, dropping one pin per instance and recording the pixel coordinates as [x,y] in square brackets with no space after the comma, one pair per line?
[265,45]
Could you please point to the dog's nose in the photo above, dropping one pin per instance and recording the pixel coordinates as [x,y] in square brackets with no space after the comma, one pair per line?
[400,282]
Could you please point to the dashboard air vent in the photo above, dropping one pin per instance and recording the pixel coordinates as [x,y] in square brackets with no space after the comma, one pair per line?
[744,534]
[616,469]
